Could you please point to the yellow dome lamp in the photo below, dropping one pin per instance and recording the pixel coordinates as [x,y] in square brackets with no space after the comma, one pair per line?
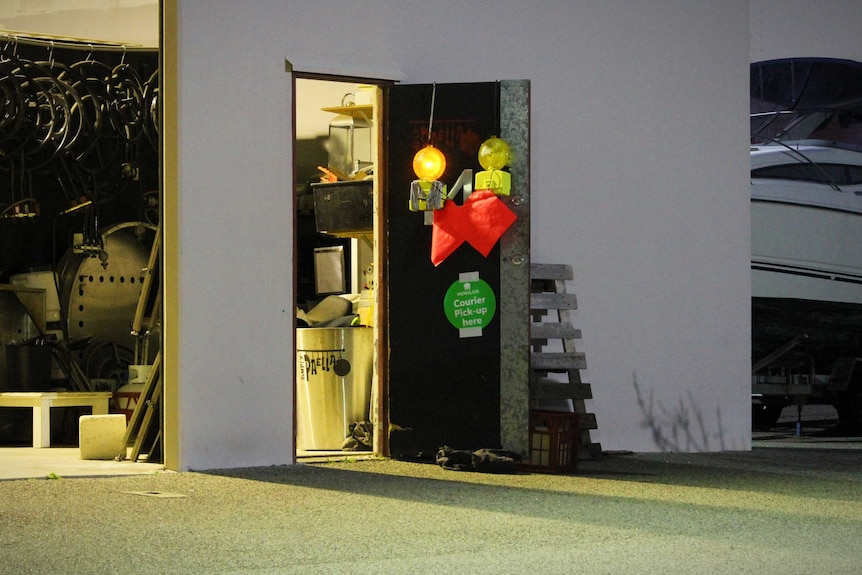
[428,192]
[429,163]
[494,155]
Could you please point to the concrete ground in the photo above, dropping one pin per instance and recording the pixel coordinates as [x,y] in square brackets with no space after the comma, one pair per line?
[32,463]
[792,505]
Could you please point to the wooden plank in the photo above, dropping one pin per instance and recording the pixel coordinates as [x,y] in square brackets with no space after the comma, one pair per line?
[57,398]
[148,282]
[551,272]
[587,421]
[137,417]
[553,331]
[155,445]
[550,389]
[553,301]
[558,361]
[152,410]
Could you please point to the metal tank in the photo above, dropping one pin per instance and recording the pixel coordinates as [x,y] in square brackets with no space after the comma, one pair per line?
[333,384]
[99,291]
[24,365]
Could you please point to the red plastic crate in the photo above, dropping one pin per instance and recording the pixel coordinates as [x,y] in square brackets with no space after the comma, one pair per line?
[554,441]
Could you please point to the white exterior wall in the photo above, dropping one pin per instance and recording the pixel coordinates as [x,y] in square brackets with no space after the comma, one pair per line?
[800,28]
[639,181]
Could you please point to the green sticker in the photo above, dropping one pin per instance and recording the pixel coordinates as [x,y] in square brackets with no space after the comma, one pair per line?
[470,304]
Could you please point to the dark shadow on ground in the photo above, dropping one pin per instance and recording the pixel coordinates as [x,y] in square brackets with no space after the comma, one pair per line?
[766,471]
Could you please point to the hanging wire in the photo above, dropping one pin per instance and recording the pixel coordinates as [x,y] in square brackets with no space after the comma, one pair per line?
[431,118]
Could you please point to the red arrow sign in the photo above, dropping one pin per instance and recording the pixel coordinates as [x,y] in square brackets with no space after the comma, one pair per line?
[481,221]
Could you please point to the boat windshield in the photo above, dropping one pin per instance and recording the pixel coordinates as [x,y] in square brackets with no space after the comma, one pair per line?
[806,99]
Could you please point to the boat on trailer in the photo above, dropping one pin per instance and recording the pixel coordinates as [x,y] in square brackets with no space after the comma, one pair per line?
[806,235]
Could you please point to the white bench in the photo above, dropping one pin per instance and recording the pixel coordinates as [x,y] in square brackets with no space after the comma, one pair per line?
[42,401]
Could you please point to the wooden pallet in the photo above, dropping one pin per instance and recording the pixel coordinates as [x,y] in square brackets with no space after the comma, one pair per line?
[550,307]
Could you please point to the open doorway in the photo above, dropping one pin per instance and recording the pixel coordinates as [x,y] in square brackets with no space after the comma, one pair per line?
[430,384]
[337,266]
[79,219]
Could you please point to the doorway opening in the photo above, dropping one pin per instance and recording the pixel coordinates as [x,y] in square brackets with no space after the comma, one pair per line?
[429,383]
[338,262]
[80,213]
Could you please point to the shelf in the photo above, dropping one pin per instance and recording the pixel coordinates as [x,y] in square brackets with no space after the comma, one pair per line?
[363,110]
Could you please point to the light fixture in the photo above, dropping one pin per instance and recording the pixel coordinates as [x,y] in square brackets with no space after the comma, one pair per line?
[494,155]
[429,163]
[428,193]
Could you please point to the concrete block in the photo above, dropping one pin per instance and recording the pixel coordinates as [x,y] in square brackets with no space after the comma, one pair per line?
[101,436]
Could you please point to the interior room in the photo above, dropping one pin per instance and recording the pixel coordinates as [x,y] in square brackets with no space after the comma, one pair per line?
[80,226]
[336,156]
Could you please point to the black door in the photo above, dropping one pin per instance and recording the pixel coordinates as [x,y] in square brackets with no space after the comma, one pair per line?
[444,389]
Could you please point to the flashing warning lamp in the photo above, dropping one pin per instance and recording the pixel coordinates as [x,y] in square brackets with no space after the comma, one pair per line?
[429,163]
[428,192]
[494,155]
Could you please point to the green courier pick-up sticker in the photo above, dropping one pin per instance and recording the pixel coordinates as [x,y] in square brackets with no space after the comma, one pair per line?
[470,304]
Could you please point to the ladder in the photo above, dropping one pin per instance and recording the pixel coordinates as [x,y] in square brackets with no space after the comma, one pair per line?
[145,424]
[555,369]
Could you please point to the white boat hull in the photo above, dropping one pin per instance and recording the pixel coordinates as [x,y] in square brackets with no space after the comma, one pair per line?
[806,278]
[805,252]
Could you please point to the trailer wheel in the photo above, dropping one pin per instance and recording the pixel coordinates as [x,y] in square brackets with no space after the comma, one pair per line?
[850,412]
[764,416]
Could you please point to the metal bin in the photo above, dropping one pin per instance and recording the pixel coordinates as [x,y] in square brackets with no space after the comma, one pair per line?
[333,384]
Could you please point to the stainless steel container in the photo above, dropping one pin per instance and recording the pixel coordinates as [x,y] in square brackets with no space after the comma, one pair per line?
[350,140]
[100,294]
[333,384]
[23,366]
